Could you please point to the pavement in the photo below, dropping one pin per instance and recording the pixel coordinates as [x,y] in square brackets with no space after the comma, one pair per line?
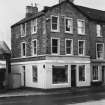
[34,92]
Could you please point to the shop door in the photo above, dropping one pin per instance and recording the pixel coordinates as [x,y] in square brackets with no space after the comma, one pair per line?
[73,75]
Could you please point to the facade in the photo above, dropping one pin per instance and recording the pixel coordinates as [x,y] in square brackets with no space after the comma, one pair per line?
[5,68]
[61,46]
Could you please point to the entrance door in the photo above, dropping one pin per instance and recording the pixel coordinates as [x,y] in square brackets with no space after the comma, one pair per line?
[103,74]
[73,75]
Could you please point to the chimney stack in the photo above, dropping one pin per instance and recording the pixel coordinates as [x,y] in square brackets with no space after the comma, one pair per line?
[30,10]
[66,0]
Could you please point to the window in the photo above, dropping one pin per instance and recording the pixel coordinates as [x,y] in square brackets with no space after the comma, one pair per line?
[55,46]
[100,50]
[81,49]
[54,23]
[95,72]
[23,49]
[99,31]
[68,25]
[23,29]
[69,46]
[34,47]
[81,26]
[82,73]
[60,74]
[35,73]
[34,26]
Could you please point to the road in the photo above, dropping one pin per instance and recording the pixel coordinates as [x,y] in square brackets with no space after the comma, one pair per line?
[64,99]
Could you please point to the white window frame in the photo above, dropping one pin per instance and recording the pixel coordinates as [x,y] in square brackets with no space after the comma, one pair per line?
[98,31]
[96,50]
[84,48]
[58,46]
[97,73]
[71,26]
[79,27]
[34,25]
[23,34]
[22,49]
[58,25]
[71,46]
[33,54]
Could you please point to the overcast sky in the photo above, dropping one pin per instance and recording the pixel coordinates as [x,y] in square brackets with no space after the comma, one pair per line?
[11,11]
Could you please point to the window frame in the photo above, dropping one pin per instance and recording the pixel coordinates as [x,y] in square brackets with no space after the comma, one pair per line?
[71,26]
[58,51]
[71,46]
[97,52]
[33,54]
[23,35]
[84,48]
[58,25]
[81,20]
[22,49]
[34,25]
[95,80]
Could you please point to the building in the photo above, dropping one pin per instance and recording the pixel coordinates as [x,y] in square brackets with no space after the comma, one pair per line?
[61,46]
[5,67]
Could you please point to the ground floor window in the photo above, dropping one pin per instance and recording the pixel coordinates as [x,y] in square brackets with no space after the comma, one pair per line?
[35,73]
[82,73]
[59,74]
[95,72]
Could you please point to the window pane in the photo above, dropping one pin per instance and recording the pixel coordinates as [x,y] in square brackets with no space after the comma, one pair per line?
[54,23]
[54,19]
[60,74]
[55,46]
[23,49]
[81,27]
[34,68]
[68,46]
[81,47]
[82,73]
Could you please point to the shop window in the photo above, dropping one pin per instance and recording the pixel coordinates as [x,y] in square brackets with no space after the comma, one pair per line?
[82,73]
[59,74]
[95,73]
[35,73]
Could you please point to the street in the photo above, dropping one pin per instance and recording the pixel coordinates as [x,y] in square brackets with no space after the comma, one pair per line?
[82,98]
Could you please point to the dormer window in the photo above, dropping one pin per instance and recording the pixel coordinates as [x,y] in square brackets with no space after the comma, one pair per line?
[23,30]
[34,26]
[54,23]
[99,30]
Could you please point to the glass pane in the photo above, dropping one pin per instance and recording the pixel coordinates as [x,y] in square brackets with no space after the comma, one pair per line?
[54,19]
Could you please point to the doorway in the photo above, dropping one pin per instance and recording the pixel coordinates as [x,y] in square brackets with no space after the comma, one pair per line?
[103,74]
[73,75]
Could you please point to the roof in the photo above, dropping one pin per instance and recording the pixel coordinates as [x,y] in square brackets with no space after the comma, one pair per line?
[90,13]
[4,49]
[93,14]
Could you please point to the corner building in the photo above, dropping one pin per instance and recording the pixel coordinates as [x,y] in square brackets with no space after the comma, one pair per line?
[61,46]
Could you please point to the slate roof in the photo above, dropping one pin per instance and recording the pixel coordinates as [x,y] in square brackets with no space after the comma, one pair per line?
[94,14]
[4,49]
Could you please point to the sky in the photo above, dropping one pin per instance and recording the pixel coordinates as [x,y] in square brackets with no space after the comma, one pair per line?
[11,11]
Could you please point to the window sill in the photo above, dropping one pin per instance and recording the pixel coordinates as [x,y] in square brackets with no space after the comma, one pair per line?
[82,34]
[55,31]
[67,32]
[65,83]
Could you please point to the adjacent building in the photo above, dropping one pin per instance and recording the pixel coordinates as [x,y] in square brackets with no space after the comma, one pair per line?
[60,46]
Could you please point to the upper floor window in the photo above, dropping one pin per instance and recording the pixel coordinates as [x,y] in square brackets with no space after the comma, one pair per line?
[81,47]
[34,26]
[34,47]
[23,49]
[55,46]
[69,25]
[81,26]
[100,50]
[69,46]
[99,30]
[23,29]
[55,23]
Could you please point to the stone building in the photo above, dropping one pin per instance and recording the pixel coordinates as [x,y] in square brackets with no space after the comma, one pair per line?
[60,46]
